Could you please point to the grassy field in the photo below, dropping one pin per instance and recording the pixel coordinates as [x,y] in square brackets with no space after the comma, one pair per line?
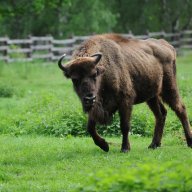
[55,164]
[37,103]
[35,98]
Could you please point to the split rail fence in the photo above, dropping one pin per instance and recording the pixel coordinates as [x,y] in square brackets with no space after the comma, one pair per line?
[50,49]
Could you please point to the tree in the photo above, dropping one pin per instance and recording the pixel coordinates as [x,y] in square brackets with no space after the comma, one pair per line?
[63,18]
[56,17]
[153,15]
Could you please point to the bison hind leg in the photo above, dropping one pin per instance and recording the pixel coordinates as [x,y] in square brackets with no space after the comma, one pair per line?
[173,99]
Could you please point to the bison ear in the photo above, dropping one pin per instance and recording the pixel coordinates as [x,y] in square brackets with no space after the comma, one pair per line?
[66,72]
[97,57]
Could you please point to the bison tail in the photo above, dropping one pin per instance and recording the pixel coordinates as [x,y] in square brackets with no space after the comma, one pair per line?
[174,67]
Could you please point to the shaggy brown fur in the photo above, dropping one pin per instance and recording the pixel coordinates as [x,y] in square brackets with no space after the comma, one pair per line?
[111,73]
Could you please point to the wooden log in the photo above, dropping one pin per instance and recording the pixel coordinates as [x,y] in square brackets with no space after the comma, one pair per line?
[19,50]
[42,56]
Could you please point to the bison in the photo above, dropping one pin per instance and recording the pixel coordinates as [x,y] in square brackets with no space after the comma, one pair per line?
[112,73]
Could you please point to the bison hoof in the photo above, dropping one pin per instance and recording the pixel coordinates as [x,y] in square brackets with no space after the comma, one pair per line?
[104,146]
[125,150]
[154,145]
[189,145]
[189,142]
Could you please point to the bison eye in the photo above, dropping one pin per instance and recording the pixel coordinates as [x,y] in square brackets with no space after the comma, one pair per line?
[94,76]
[75,82]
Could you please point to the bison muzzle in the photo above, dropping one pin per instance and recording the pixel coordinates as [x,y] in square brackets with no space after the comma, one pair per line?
[111,73]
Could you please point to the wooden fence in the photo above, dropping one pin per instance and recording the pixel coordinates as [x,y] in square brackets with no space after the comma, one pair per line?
[50,49]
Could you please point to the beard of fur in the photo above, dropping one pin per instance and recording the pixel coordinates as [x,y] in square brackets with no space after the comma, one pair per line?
[100,115]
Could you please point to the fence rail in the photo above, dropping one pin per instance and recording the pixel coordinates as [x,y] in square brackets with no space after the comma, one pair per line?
[50,49]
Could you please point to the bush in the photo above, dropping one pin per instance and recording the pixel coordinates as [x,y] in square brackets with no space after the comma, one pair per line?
[47,114]
[142,177]
[141,124]
[6,90]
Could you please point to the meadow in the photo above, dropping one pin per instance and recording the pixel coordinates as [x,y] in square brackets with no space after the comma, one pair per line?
[45,145]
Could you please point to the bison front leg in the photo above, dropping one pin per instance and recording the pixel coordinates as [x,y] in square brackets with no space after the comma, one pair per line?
[160,113]
[125,114]
[96,137]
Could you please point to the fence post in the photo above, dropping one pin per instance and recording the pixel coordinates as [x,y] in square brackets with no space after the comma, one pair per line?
[50,43]
[29,46]
[4,48]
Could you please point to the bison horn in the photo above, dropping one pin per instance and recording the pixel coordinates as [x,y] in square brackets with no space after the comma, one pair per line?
[60,62]
[97,57]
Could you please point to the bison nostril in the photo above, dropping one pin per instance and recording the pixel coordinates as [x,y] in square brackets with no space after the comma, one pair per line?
[89,98]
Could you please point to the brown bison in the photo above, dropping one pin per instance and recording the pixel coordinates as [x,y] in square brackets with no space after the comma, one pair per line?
[111,73]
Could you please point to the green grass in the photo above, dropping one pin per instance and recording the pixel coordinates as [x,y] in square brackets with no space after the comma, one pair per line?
[62,164]
[35,98]
[38,103]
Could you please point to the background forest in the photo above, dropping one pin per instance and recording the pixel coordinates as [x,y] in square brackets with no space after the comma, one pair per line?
[64,18]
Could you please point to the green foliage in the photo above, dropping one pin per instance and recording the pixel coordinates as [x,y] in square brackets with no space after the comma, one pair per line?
[47,116]
[98,16]
[56,17]
[81,17]
[35,98]
[141,16]
[6,90]
[142,177]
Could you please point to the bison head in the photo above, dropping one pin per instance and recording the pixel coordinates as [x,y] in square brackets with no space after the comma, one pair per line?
[85,74]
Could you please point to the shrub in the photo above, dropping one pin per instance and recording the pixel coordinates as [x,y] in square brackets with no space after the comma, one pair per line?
[47,114]
[142,177]
[6,90]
